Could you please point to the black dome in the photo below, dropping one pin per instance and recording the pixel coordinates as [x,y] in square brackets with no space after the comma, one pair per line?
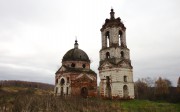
[76,55]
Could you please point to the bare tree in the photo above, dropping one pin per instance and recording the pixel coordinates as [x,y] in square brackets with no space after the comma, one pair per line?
[149,81]
[140,89]
[168,82]
[161,88]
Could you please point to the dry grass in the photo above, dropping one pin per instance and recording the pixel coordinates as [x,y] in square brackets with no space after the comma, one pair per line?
[37,100]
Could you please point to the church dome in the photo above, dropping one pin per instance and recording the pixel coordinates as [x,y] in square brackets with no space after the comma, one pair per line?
[76,54]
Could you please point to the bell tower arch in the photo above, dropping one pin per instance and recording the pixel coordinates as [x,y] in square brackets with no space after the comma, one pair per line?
[115,60]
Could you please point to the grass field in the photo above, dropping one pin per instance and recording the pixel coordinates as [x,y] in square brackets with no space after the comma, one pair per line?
[17,99]
[149,106]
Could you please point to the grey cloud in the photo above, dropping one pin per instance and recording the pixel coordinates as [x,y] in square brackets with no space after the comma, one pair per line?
[9,73]
[46,31]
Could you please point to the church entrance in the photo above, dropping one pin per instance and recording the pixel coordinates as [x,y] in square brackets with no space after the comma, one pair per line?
[125,91]
[108,87]
[108,91]
[84,92]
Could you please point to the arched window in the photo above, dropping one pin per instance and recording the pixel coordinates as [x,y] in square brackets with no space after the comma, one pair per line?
[84,65]
[62,82]
[125,78]
[107,39]
[73,65]
[120,38]
[122,54]
[107,55]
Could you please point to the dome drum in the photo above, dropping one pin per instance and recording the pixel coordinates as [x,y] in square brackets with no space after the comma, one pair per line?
[77,64]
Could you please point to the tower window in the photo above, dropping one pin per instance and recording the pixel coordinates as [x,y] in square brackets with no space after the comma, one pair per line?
[107,39]
[107,55]
[73,65]
[125,78]
[84,65]
[122,54]
[120,38]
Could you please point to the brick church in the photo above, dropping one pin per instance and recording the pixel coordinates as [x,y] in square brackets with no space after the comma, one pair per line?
[75,77]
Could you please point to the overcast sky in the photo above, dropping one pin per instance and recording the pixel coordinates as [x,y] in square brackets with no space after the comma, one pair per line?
[35,34]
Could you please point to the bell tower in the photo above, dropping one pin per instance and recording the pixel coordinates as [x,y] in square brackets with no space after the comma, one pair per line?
[115,69]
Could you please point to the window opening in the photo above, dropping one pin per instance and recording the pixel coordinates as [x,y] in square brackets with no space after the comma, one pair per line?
[107,55]
[84,65]
[125,78]
[120,38]
[107,39]
[62,82]
[122,54]
[73,65]
[67,79]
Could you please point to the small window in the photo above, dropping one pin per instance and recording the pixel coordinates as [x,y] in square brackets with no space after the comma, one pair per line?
[122,54]
[125,78]
[107,55]
[67,79]
[73,65]
[84,65]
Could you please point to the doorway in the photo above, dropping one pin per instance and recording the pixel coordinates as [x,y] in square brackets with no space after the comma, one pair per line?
[84,92]
[125,91]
